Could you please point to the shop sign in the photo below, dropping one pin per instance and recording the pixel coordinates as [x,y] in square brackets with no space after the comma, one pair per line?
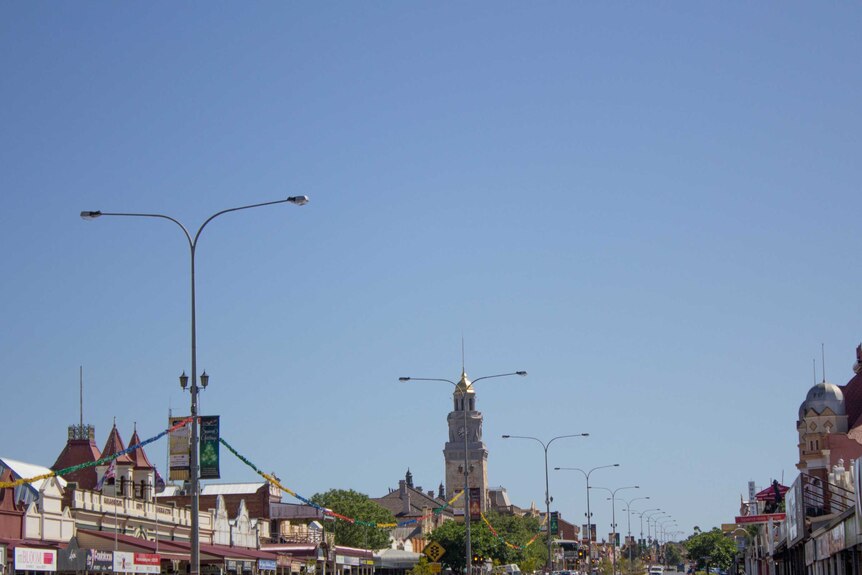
[2,556]
[147,563]
[247,566]
[793,502]
[100,561]
[266,564]
[230,565]
[72,558]
[764,518]
[128,562]
[210,570]
[27,559]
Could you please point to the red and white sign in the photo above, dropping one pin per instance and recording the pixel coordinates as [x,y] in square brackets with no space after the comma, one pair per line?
[28,559]
[127,562]
[760,518]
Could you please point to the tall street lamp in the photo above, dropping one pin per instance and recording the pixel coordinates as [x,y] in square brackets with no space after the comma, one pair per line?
[194,464]
[641,515]
[589,514]
[463,387]
[613,500]
[545,446]
[629,523]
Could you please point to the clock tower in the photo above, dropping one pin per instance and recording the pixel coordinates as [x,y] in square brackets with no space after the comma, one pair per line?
[465,434]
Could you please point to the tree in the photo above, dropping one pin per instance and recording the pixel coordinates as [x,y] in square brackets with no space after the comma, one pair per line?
[672,554]
[515,530]
[707,548]
[423,567]
[357,506]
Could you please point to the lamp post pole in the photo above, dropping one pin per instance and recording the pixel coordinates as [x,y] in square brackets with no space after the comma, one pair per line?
[629,523]
[464,386]
[613,499]
[545,447]
[194,463]
[589,514]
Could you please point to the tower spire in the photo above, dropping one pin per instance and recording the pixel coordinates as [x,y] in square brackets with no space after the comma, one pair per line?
[463,369]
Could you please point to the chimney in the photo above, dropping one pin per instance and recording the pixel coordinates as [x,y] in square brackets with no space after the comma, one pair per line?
[406,500]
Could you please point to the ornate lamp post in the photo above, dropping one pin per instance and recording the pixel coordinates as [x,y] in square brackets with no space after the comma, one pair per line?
[194,464]
[548,498]
[462,387]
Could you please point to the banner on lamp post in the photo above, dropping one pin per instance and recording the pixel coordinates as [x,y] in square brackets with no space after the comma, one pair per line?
[209,447]
[178,445]
[475,504]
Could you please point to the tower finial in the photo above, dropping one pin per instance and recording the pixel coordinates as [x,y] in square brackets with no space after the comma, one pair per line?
[814,369]
[463,368]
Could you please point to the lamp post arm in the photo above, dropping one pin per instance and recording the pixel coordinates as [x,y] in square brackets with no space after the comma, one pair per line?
[162,216]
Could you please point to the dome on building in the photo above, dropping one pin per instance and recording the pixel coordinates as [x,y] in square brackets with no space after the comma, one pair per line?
[820,397]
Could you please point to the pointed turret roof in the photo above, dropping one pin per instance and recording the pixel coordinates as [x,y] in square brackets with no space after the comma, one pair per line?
[115,445]
[80,448]
[139,458]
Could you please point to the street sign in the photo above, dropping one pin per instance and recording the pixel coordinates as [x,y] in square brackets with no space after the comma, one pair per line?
[435,567]
[764,518]
[434,551]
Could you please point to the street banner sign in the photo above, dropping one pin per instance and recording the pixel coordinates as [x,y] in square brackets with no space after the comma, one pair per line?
[764,518]
[555,523]
[178,445]
[475,504]
[209,447]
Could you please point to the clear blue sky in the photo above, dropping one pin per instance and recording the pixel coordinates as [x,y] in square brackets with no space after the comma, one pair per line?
[651,207]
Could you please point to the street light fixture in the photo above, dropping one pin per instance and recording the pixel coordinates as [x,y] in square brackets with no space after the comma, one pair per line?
[464,386]
[545,447]
[589,514]
[194,464]
[629,523]
[613,499]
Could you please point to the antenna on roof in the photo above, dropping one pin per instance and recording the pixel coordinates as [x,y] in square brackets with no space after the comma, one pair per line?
[823,360]
[81,394]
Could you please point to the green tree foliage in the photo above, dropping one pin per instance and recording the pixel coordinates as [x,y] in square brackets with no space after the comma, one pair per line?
[421,568]
[357,506]
[516,530]
[711,548]
[672,554]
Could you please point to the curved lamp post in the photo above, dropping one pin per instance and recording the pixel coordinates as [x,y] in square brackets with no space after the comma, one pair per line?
[463,386]
[613,500]
[589,514]
[194,464]
[545,446]
[629,522]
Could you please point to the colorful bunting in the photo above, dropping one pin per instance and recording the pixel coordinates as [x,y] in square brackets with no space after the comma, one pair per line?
[102,461]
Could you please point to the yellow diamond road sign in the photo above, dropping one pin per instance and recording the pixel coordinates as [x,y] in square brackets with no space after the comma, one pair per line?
[434,551]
